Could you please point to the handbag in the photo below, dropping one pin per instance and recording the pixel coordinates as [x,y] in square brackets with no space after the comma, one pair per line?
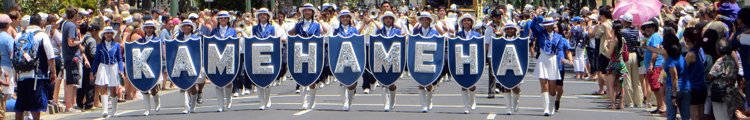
[717,93]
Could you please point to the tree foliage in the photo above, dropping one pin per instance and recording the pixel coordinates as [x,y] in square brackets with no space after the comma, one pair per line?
[46,6]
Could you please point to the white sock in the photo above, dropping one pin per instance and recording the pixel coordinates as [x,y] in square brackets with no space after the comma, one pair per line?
[509,98]
[105,105]
[147,99]
[515,102]
[219,98]
[545,98]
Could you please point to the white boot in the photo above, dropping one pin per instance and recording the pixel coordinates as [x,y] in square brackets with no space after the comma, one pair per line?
[312,98]
[147,99]
[268,96]
[157,102]
[387,100]
[114,105]
[193,102]
[227,92]
[429,98]
[187,100]
[262,98]
[220,98]
[545,98]
[472,97]
[467,104]
[423,100]
[345,96]
[303,92]
[509,105]
[350,94]
[552,104]
[105,105]
[515,102]
[392,98]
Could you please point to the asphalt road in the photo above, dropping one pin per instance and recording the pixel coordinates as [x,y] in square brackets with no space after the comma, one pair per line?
[448,105]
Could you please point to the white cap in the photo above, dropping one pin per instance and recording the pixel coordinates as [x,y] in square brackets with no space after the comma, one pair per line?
[627,17]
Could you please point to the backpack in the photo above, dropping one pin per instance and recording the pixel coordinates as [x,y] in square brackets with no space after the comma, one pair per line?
[25,54]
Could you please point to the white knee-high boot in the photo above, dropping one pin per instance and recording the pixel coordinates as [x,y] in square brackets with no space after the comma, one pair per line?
[261,98]
[472,97]
[303,92]
[312,98]
[228,96]
[423,100]
[193,102]
[267,96]
[105,105]
[157,102]
[467,104]
[386,99]
[186,99]
[220,98]
[350,94]
[114,105]
[344,97]
[429,99]
[552,104]
[515,101]
[147,99]
[545,98]
[392,98]
[509,105]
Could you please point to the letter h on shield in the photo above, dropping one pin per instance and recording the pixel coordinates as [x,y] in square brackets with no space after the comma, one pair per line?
[310,58]
[470,59]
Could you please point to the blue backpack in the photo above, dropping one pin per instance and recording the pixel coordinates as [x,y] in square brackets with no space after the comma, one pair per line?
[24,53]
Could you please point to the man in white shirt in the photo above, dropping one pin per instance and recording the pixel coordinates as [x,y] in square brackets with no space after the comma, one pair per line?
[30,85]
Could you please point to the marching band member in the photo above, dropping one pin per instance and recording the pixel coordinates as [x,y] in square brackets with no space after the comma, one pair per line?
[200,29]
[187,31]
[511,34]
[346,29]
[265,29]
[106,63]
[546,69]
[149,27]
[389,30]
[308,28]
[222,31]
[467,32]
[425,30]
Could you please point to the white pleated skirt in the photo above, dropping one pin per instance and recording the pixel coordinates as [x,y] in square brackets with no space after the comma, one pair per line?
[546,67]
[108,75]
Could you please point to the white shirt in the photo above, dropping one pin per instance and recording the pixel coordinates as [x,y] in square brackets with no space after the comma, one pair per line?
[306,24]
[425,30]
[387,30]
[223,29]
[108,44]
[43,38]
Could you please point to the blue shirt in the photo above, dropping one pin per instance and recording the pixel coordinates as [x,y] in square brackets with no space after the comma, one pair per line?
[698,76]
[546,41]
[562,46]
[654,41]
[576,36]
[345,31]
[388,33]
[526,26]
[6,46]
[682,74]
[631,35]
[230,32]
[431,32]
[462,34]
[264,31]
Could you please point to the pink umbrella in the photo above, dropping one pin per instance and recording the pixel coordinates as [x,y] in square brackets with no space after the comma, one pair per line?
[642,10]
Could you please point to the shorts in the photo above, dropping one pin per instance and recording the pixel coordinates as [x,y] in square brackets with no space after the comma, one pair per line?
[642,70]
[10,89]
[652,77]
[201,77]
[108,75]
[72,73]
[698,96]
[602,63]
[592,59]
[29,99]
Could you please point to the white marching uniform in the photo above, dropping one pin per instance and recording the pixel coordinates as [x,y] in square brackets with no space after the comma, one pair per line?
[108,75]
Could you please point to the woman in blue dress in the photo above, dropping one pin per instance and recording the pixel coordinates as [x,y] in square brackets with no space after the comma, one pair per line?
[308,27]
[222,31]
[467,32]
[107,60]
[511,33]
[149,27]
[265,29]
[187,31]
[346,29]
[425,29]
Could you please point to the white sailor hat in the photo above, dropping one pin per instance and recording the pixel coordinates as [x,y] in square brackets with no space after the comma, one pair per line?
[548,21]
[223,14]
[425,15]
[308,6]
[263,11]
[186,22]
[106,30]
[387,14]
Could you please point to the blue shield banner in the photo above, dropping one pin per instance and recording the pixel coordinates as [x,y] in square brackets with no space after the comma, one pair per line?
[347,58]
[510,60]
[426,57]
[222,59]
[387,58]
[143,64]
[305,59]
[183,61]
[263,60]
[466,60]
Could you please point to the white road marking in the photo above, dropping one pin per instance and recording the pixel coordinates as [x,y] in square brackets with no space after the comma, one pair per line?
[491,116]
[302,112]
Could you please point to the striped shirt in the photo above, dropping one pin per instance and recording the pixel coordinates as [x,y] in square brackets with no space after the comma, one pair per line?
[631,35]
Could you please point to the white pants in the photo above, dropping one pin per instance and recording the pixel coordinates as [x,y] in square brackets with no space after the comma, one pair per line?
[108,75]
[720,110]
[8,90]
[579,60]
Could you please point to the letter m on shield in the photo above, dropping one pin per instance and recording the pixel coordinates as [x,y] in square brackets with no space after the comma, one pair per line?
[390,59]
[218,62]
